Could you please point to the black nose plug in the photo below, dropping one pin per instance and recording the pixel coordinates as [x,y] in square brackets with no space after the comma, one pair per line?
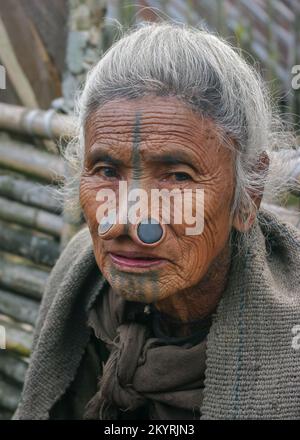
[149,231]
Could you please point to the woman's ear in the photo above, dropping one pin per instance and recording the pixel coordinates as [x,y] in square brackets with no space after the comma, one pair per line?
[244,219]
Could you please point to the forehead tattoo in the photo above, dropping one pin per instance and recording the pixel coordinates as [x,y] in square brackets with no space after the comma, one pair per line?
[136,158]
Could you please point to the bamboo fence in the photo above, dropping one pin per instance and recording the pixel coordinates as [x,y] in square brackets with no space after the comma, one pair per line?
[32,228]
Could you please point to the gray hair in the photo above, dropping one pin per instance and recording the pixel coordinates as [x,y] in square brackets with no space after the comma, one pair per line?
[205,72]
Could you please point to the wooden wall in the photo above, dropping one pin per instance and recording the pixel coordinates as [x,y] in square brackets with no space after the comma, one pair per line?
[33,46]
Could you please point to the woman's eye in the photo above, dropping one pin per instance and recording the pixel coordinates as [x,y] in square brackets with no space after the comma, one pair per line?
[180,177]
[107,172]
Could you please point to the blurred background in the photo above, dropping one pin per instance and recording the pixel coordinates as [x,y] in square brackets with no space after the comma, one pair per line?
[46,48]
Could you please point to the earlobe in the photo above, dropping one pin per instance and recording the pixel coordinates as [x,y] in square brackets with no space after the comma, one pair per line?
[243,221]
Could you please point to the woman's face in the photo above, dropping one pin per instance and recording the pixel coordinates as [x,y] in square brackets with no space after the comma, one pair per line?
[156,143]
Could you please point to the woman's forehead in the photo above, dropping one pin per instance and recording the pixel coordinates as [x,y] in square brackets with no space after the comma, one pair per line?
[148,120]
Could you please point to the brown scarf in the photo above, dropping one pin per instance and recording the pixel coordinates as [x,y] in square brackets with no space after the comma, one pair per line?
[143,372]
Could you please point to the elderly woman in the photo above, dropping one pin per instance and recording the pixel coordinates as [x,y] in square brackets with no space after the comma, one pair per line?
[142,319]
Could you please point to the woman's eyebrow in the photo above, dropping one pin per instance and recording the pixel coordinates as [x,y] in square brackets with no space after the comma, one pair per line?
[172,159]
[102,156]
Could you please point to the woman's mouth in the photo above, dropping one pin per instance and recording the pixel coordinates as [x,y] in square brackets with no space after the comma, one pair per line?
[135,260]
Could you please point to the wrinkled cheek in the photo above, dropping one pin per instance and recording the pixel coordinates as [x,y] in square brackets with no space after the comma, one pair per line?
[216,220]
[197,253]
[195,258]
[89,205]
[100,255]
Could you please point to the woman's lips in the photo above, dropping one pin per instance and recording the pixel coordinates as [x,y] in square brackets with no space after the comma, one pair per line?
[133,261]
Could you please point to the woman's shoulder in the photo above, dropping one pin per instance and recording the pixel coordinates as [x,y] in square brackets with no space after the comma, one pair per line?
[280,248]
[79,244]
[274,225]
[77,253]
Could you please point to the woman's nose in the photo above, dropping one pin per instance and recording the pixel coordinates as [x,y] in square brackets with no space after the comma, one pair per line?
[147,232]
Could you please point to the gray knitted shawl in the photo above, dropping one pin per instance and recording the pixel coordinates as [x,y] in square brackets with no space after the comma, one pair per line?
[253,362]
